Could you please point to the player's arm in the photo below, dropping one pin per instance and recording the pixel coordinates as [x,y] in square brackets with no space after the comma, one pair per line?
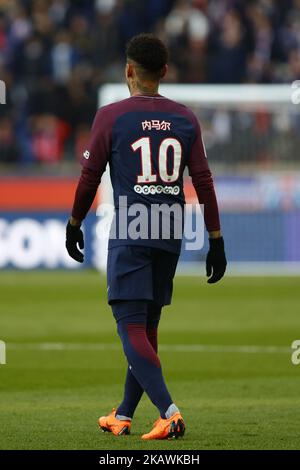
[204,187]
[94,161]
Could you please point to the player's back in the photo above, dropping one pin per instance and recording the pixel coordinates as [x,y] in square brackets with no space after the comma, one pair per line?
[150,147]
[148,141]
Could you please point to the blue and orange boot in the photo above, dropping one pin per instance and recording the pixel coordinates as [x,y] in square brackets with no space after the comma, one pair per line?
[111,424]
[170,428]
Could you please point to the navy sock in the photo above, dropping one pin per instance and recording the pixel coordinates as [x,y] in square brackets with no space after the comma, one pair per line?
[144,365]
[133,391]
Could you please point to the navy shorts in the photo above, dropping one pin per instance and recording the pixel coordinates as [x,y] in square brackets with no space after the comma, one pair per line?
[140,273]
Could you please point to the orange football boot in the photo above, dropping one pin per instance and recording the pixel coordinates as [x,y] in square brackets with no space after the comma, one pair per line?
[171,428]
[111,424]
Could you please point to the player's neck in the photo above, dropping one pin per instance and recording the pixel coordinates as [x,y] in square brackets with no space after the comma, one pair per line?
[146,89]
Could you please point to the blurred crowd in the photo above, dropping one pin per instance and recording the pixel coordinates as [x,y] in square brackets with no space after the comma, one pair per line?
[54,55]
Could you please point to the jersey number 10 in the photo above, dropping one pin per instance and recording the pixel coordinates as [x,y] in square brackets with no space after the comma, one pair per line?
[144,145]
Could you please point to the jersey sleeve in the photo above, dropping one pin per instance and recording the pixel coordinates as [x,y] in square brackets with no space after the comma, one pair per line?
[98,150]
[94,161]
[202,180]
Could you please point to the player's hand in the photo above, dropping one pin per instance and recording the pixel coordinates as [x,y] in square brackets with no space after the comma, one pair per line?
[215,260]
[74,236]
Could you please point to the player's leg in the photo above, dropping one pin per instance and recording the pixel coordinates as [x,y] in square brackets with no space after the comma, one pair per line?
[153,318]
[144,364]
[132,390]
[130,276]
[142,359]
[146,368]
[164,268]
[119,421]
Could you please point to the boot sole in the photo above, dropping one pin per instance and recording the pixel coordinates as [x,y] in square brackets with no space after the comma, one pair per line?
[177,429]
[124,431]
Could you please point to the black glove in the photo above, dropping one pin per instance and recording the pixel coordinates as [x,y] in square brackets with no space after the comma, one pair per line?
[74,235]
[215,260]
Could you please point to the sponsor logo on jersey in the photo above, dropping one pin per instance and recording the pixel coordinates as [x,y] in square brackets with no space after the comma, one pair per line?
[86,154]
[146,189]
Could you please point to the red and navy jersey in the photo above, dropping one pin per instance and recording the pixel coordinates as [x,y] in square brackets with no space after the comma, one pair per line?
[147,142]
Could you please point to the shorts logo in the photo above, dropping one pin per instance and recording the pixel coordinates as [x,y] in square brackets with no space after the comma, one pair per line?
[146,189]
[86,154]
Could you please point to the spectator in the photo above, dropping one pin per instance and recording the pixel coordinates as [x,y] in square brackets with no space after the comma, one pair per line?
[228,51]
[9,149]
[54,55]
[63,57]
[48,138]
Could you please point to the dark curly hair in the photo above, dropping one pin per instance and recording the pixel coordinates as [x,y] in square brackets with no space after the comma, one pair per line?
[148,52]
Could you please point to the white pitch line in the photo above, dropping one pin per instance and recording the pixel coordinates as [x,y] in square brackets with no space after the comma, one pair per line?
[196,348]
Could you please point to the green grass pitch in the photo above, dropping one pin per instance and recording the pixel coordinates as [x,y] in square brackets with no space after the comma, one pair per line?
[230,397]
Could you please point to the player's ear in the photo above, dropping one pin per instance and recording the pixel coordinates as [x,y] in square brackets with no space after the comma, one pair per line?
[164,71]
[129,70]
